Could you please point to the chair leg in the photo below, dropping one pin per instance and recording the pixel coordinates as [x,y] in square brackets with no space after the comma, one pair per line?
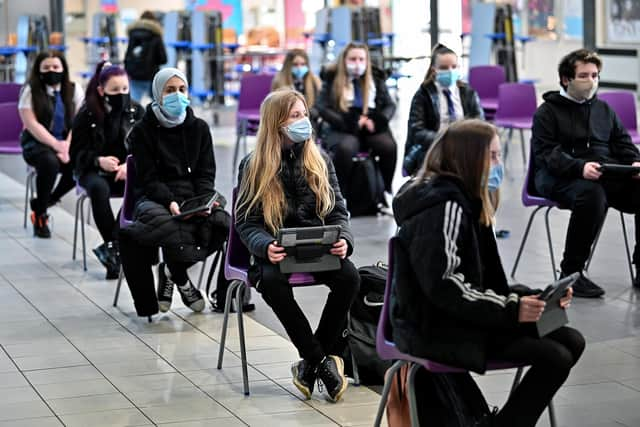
[225,321]
[28,191]
[505,150]
[552,414]
[84,239]
[243,349]
[117,295]
[524,240]
[411,392]
[391,373]
[75,227]
[516,380]
[626,246]
[522,146]
[550,242]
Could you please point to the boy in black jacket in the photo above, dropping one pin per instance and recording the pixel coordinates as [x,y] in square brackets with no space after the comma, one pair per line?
[573,134]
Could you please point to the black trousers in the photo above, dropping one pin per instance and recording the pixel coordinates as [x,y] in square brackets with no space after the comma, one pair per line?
[47,165]
[551,358]
[137,262]
[278,294]
[588,201]
[100,189]
[345,146]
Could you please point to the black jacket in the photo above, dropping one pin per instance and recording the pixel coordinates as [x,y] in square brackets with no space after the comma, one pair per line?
[301,205]
[145,51]
[566,135]
[347,121]
[88,140]
[424,120]
[173,164]
[449,289]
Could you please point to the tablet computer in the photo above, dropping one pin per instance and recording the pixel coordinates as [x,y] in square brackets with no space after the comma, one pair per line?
[554,316]
[307,249]
[615,169]
[196,205]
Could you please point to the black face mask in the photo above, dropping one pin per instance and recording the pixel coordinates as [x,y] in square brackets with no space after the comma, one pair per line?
[118,101]
[51,78]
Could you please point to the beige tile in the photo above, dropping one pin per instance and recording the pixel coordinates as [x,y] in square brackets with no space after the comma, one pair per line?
[226,422]
[276,371]
[192,411]
[32,422]
[260,357]
[84,404]
[290,419]
[16,411]
[198,363]
[12,379]
[229,374]
[19,395]
[148,398]
[351,415]
[46,361]
[151,382]
[117,417]
[75,389]
[134,367]
[59,375]
[246,406]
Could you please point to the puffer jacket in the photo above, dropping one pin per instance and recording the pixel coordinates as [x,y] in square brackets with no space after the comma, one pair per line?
[144,34]
[301,205]
[449,288]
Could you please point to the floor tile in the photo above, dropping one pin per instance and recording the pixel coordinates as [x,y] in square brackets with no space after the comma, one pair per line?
[117,417]
[75,389]
[226,422]
[60,375]
[84,404]
[137,383]
[33,422]
[291,419]
[19,410]
[192,411]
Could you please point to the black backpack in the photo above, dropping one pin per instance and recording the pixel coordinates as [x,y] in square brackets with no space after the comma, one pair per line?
[139,60]
[366,188]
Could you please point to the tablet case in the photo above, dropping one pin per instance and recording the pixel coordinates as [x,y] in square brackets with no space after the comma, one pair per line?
[553,316]
[307,249]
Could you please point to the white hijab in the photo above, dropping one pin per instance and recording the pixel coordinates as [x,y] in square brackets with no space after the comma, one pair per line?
[159,81]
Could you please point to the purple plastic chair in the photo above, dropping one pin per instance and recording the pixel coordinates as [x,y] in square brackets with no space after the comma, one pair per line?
[10,129]
[10,92]
[486,79]
[624,104]
[254,88]
[531,197]
[236,264]
[516,106]
[387,350]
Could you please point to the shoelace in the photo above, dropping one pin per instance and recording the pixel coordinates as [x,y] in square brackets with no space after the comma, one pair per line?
[190,291]
[167,291]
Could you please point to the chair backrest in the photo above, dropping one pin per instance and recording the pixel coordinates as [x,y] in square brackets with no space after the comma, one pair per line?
[10,92]
[254,88]
[624,104]
[128,201]
[11,124]
[486,79]
[516,100]
[237,253]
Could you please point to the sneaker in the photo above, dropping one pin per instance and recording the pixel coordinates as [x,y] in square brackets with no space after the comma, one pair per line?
[191,297]
[40,225]
[304,377]
[165,289]
[331,375]
[585,287]
[102,254]
[113,260]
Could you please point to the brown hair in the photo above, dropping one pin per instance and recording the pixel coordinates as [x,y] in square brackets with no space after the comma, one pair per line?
[438,49]
[462,150]
[567,66]
[341,79]
[284,77]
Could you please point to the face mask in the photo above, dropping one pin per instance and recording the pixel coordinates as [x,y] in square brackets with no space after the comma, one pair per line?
[118,101]
[447,77]
[582,90]
[175,103]
[300,71]
[299,131]
[51,78]
[356,69]
[496,173]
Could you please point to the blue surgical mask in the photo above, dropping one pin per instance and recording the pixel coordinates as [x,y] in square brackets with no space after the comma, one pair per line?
[496,173]
[447,78]
[300,71]
[175,103]
[299,131]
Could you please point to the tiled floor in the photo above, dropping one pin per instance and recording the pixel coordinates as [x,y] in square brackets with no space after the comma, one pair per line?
[67,357]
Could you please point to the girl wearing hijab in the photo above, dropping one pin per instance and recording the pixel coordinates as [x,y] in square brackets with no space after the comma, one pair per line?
[174,160]
[98,152]
[48,102]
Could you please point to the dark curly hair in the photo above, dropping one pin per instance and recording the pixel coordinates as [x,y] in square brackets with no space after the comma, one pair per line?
[567,66]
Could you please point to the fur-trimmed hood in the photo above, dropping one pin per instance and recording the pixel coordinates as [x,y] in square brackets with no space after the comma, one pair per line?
[146,24]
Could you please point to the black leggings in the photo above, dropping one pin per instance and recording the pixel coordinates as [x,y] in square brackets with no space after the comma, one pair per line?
[345,146]
[48,166]
[278,294]
[551,358]
[100,189]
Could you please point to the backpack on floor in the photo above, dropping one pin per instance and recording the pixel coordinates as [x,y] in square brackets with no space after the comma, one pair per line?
[366,188]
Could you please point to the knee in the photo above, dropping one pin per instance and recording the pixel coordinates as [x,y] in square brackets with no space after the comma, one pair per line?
[48,163]
[575,343]
[349,284]
[272,284]
[591,198]
[99,190]
[559,359]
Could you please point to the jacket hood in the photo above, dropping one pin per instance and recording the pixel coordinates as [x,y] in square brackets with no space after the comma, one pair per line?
[150,118]
[414,197]
[146,24]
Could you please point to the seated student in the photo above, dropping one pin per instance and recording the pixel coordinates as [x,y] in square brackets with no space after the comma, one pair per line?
[295,74]
[573,133]
[288,182]
[452,302]
[174,160]
[441,99]
[355,103]
[98,152]
[48,103]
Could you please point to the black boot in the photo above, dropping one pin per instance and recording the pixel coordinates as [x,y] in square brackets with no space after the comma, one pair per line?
[109,256]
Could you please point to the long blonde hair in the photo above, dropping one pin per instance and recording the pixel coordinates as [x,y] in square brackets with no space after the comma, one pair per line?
[341,80]
[261,187]
[463,150]
[284,77]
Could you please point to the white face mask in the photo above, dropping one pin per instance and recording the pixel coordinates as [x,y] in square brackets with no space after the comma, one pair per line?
[356,69]
[582,90]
